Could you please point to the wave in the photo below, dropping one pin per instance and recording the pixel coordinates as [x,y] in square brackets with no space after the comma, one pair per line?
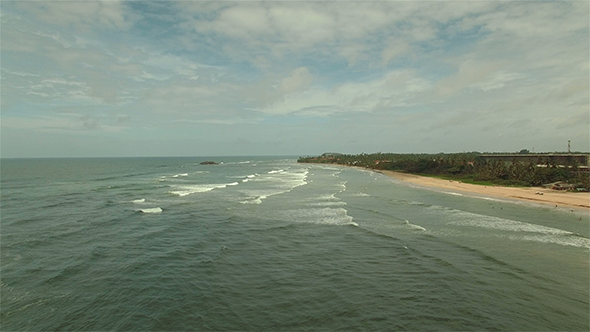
[256,196]
[325,200]
[337,203]
[278,181]
[138,201]
[236,162]
[330,197]
[489,222]
[414,227]
[200,188]
[151,210]
[517,230]
[249,177]
[321,216]
[450,193]
[572,240]
[177,175]
[257,200]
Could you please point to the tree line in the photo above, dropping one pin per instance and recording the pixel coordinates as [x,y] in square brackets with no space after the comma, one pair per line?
[467,167]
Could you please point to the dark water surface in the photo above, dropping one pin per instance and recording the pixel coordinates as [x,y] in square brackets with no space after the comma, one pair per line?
[261,243]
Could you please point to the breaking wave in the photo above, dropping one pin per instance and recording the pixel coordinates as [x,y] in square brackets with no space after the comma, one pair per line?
[151,210]
[199,188]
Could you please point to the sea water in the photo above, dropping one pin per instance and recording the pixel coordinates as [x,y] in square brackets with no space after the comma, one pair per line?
[260,243]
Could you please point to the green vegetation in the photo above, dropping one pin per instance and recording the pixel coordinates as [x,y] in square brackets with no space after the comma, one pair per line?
[468,167]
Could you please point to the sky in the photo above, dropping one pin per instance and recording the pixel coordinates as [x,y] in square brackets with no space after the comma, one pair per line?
[194,78]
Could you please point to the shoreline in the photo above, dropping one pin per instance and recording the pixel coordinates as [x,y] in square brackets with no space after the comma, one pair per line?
[540,195]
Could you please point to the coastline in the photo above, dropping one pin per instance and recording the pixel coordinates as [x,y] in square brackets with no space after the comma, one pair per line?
[548,197]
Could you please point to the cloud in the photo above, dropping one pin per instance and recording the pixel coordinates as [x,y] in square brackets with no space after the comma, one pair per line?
[394,49]
[430,70]
[578,120]
[276,29]
[470,73]
[395,89]
[65,123]
[80,15]
[299,79]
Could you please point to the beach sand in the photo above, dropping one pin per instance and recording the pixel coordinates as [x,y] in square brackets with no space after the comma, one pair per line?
[549,196]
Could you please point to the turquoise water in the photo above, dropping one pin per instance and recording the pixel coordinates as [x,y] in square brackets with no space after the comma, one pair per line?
[261,243]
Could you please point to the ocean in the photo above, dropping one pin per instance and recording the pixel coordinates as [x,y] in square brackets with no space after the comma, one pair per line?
[267,244]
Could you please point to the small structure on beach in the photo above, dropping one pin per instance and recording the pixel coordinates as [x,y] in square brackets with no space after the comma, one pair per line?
[560,185]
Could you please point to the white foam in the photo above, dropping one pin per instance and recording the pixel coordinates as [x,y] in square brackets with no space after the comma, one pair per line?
[337,173]
[249,177]
[450,193]
[151,210]
[177,175]
[138,201]
[415,227]
[329,168]
[256,196]
[338,203]
[277,182]
[573,240]
[322,216]
[325,200]
[330,197]
[517,230]
[200,188]
[490,222]
[257,200]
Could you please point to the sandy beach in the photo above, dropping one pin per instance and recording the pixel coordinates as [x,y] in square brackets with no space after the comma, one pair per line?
[533,194]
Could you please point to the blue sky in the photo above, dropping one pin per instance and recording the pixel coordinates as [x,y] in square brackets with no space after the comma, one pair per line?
[194,78]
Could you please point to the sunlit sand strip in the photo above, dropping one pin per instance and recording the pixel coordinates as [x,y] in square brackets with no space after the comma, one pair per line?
[549,196]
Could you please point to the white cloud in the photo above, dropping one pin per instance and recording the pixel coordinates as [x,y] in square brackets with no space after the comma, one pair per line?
[394,48]
[395,89]
[171,65]
[470,73]
[299,79]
